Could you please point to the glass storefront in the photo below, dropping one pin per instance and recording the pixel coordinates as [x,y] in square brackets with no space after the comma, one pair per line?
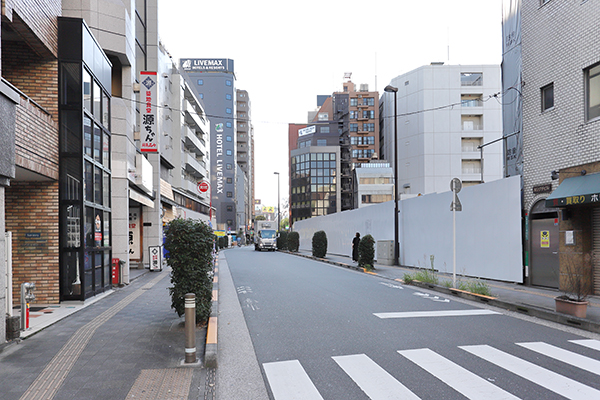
[85,170]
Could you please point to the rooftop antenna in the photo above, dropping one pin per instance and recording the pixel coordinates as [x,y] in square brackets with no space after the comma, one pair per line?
[375,71]
[448,36]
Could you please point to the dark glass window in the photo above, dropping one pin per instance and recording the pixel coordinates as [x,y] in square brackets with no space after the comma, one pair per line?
[548,97]
[87,136]
[87,91]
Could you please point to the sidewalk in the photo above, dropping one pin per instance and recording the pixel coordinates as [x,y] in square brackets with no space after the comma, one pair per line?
[129,343]
[529,300]
[43,315]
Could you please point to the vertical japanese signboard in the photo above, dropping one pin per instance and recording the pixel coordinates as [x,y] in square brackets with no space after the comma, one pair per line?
[134,234]
[148,97]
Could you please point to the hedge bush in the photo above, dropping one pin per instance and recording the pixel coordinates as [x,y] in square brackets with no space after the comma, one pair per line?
[366,252]
[282,240]
[189,244]
[319,244]
[293,241]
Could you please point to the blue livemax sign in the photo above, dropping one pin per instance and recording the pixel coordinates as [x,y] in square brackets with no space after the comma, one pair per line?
[207,64]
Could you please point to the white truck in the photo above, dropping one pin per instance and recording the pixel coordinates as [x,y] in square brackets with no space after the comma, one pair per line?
[265,236]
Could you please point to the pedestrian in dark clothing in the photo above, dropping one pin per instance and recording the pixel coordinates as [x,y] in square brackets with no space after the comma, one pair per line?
[355,243]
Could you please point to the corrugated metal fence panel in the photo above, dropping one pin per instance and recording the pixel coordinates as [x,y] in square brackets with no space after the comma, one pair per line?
[596,250]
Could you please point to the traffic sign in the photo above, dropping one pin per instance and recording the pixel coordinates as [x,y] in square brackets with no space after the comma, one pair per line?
[203,187]
[455,185]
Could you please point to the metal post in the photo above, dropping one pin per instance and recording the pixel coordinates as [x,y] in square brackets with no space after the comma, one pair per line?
[27,295]
[454,245]
[190,328]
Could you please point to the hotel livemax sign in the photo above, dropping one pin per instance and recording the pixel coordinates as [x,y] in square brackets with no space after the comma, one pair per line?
[207,64]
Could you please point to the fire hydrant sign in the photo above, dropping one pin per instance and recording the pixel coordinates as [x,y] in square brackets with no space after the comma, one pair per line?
[545,239]
[148,97]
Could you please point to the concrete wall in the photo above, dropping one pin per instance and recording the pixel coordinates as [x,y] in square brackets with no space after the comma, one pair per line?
[488,230]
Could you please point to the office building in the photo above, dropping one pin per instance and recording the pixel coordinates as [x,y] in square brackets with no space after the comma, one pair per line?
[445,115]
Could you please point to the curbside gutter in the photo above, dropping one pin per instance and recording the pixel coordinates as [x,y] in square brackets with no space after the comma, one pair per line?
[210,348]
[529,310]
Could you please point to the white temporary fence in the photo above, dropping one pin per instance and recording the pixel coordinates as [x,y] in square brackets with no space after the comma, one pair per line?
[488,230]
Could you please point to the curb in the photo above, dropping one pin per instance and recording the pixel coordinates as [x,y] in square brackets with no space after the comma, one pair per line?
[210,348]
[529,310]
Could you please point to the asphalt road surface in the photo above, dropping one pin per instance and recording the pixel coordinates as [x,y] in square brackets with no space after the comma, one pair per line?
[325,332]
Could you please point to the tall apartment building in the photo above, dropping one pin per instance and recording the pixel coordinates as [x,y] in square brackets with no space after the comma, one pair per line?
[445,113]
[245,154]
[214,82]
[322,181]
[560,106]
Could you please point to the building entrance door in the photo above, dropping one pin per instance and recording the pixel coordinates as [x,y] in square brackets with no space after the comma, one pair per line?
[544,252]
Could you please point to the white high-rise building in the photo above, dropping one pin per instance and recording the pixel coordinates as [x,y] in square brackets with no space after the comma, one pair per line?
[445,113]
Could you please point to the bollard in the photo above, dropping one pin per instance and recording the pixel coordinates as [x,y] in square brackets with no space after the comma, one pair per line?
[190,328]
[27,295]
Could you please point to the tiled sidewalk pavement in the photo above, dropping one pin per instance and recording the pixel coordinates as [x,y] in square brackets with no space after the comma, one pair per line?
[129,344]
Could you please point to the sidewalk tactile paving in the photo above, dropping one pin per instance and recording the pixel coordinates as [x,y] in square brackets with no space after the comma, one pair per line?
[162,384]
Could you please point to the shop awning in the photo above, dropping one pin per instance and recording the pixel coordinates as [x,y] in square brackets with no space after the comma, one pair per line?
[141,198]
[576,191]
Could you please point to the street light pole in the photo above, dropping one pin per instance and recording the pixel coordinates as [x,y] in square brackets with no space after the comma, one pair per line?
[278,211]
[392,89]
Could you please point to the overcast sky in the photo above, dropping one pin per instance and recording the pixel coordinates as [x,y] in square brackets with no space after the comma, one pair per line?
[288,53]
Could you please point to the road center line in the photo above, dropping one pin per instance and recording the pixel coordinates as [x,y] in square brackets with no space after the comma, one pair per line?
[445,313]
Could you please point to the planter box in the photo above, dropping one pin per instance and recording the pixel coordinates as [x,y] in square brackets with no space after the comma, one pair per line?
[570,307]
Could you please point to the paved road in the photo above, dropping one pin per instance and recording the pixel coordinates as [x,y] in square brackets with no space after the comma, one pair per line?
[323,332]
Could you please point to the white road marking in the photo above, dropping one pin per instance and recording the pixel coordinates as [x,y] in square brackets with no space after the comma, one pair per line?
[289,381]
[455,376]
[577,360]
[591,343]
[377,383]
[550,380]
[446,313]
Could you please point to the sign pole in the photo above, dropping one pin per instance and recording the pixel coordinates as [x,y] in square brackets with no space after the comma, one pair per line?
[455,186]
[454,246]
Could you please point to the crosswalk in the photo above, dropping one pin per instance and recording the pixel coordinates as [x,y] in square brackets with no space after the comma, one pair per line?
[289,380]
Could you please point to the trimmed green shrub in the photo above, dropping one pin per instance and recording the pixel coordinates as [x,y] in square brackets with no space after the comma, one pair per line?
[319,244]
[216,240]
[189,244]
[293,241]
[282,240]
[366,252]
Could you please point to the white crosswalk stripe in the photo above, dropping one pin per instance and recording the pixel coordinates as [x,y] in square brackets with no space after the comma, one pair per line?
[372,379]
[455,376]
[289,381]
[565,356]
[591,343]
[550,380]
